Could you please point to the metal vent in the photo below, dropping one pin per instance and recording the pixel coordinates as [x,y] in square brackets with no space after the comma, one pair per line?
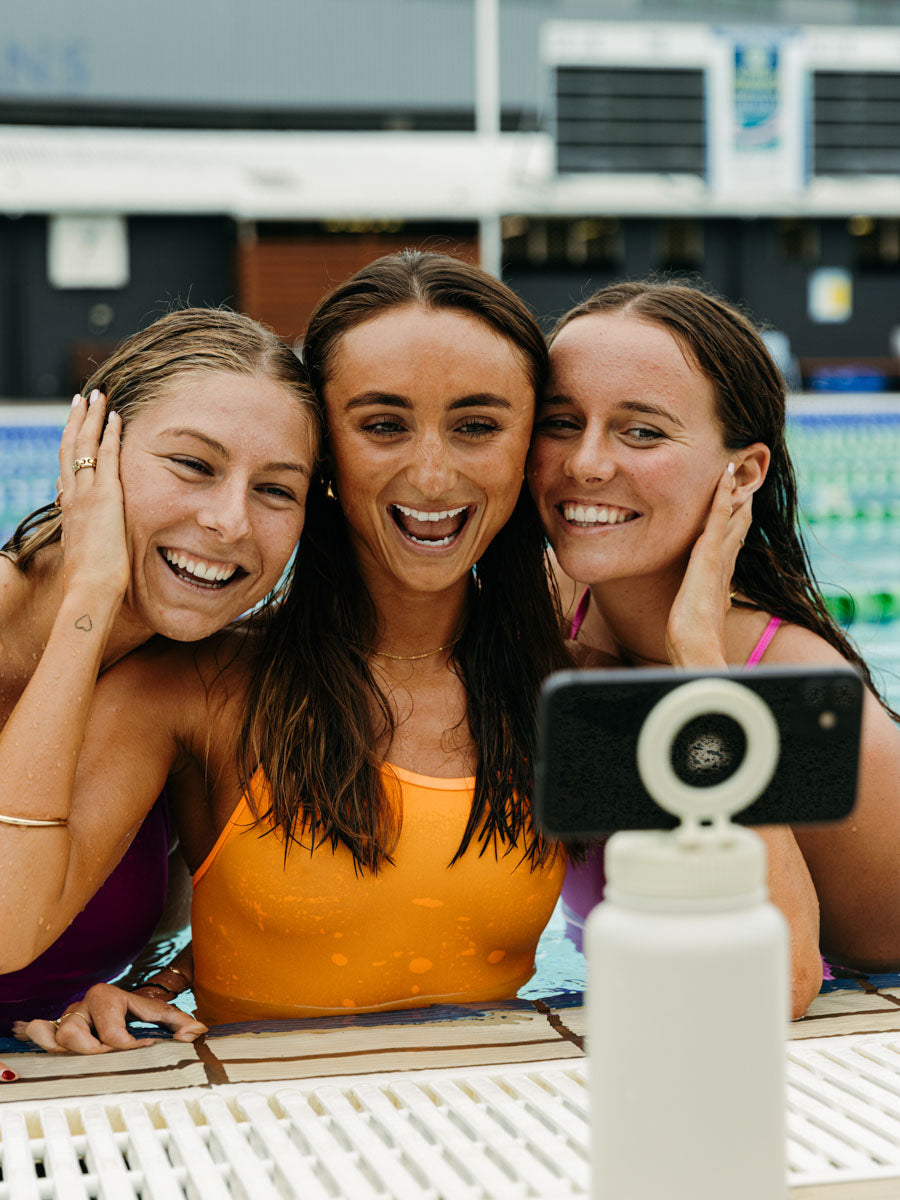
[519,1131]
[629,119]
[856,123]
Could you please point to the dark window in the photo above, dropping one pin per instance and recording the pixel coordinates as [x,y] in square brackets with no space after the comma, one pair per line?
[681,245]
[856,123]
[798,241]
[593,242]
[630,120]
[877,243]
[597,242]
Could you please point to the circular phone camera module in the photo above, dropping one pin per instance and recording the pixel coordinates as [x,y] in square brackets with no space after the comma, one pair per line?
[708,750]
[712,729]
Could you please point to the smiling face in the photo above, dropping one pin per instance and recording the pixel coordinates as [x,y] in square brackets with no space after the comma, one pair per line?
[214,474]
[430,415]
[627,450]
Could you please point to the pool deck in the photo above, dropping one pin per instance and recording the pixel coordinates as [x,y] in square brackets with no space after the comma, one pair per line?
[471,1102]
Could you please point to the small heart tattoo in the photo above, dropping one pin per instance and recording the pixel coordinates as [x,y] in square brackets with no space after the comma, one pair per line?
[84,623]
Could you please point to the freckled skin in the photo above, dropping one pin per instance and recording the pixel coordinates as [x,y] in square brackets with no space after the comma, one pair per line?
[182,494]
[431,457]
[592,447]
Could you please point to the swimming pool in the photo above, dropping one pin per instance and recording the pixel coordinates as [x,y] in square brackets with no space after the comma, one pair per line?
[848,468]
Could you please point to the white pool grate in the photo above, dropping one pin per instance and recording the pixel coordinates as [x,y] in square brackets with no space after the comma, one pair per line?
[518,1131]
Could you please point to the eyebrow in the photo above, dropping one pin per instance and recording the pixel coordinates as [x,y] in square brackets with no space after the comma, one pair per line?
[637,406]
[223,451]
[390,400]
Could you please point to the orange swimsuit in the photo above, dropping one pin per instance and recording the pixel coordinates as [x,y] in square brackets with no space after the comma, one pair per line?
[312,937]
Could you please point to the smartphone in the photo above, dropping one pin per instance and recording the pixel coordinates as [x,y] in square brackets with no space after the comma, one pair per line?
[588,783]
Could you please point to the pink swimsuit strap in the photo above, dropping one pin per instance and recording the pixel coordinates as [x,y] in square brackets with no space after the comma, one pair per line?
[580,613]
[753,658]
[763,644]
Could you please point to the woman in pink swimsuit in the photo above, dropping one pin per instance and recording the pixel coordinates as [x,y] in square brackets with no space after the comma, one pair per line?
[664,420]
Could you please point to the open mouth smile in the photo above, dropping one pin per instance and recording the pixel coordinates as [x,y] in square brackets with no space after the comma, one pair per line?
[595,516]
[203,573]
[432,529]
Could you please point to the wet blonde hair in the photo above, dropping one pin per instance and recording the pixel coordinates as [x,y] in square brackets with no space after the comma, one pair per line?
[147,366]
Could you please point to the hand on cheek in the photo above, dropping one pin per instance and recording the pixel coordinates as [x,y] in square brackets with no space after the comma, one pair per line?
[695,633]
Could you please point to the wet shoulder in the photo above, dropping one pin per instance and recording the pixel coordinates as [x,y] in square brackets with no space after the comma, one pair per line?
[794,645]
[190,688]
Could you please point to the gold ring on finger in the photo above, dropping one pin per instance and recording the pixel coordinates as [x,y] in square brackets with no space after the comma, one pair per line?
[80,463]
[73,1013]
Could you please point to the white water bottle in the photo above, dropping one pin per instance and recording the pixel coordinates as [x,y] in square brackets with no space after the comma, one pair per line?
[688,998]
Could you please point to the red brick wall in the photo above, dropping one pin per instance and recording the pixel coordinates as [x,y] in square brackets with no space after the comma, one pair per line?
[280,280]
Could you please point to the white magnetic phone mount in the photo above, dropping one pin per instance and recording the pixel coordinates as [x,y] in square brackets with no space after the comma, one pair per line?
[698,698]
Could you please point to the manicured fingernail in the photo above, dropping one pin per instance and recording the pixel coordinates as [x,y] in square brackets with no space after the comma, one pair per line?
[94,396]
[76,398]
[730,469]
[8,1076]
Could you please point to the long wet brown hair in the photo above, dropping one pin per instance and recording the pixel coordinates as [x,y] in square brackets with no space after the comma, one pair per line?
[773,567]
[148,366]
[316,711]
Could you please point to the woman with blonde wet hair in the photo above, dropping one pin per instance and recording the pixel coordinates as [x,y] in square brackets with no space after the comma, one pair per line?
[218,438]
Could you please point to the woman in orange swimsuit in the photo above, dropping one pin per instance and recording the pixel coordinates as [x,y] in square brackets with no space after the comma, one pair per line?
[664,417]
[370,845]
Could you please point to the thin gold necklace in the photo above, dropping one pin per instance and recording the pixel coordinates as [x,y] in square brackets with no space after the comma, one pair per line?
[413,657]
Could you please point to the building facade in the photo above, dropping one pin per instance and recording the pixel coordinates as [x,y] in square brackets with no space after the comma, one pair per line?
[206,153]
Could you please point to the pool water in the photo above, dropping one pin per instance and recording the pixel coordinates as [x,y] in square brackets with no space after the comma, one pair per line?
[847,454]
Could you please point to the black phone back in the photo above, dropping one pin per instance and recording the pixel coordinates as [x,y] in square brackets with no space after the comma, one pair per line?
[587,781]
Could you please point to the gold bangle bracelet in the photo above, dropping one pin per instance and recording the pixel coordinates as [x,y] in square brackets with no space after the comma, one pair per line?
[73,1013]
[32,822]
